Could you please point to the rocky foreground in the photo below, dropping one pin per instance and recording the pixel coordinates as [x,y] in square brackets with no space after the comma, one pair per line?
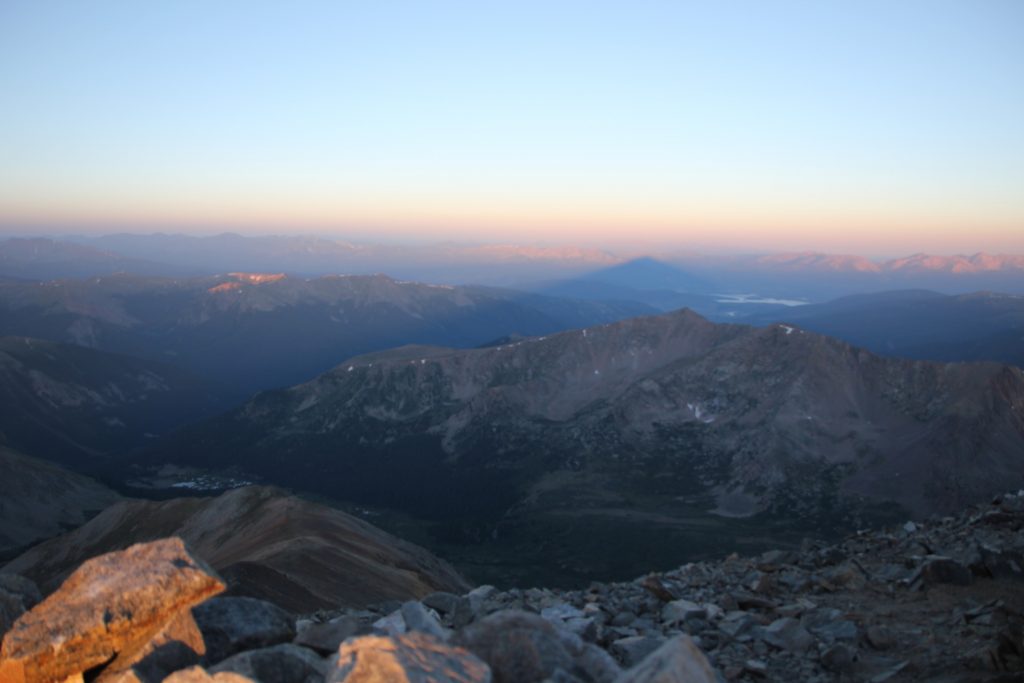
[936,601]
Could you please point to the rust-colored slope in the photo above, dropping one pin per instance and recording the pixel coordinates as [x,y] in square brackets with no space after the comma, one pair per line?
[298,554]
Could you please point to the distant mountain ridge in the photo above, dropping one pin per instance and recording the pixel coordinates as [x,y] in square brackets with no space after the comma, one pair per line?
[253,331]
[919,324]
[77,406]
[669,416]
[782,274]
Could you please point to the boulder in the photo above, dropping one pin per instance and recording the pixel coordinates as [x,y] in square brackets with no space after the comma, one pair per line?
[325,638]
[405,658]
[108,610]
[284,663]
[520,647]
[419,618]
[456,610]
[231,625]
[938,569]
[679,660]
[788,634]
[679,611]
[631,650]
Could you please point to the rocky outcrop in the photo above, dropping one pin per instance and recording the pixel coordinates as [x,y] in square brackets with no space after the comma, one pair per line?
[266,544]
[940,601]
[107,613]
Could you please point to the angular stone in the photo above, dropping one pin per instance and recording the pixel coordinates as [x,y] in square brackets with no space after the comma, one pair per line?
[325,638]
[391,625]
[178,645]
[939,569]
[680,610]
[787,634]
[478,598]
[880,638]
[419,618]
[598,665]
[632,649]
[518,646]
[406,658]
[284,663]
[110,607]
[838,658]
[455,609]
[234,624]
[679,660]
[561,612]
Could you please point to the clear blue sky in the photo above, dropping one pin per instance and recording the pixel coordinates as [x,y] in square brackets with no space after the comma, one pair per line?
[870,126]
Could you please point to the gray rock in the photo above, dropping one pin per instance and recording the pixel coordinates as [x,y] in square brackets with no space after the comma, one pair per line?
[478,598]
[839,658]
[787,634]
[938,569]
[843,629]
[623,619]
[879,637]
[391,625]
[632,650]
[585,628]
[756,667]
[520,647]
[419,618]
[285,663]
[561,612]
[325,638]
[737,624]
[230,625]
[410,658]
[678,660]
[681,610]
[456,610]
[596,664]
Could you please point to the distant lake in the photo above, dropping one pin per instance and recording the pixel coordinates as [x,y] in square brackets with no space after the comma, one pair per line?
[756,299]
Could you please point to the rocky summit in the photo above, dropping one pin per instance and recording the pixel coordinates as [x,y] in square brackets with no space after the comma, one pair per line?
[938,600]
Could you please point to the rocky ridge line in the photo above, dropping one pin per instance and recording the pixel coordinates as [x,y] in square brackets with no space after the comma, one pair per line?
[940,601]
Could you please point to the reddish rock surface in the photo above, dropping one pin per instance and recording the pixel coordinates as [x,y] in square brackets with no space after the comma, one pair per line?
[108,611]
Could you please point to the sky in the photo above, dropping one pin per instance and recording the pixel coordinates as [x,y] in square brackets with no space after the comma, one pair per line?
[878,128]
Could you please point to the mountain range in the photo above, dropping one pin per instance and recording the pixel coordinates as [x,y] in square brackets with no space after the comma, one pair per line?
[78,406]
[815,276]
[551,447]
[918,324]
[245,332]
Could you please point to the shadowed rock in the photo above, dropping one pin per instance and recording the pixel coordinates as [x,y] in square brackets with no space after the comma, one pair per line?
[679,660]
[106,611]
[285,663]
[518,646]
[408,658]
[230,625]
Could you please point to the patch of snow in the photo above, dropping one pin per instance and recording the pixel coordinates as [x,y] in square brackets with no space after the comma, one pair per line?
[351,368]
[788,329]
